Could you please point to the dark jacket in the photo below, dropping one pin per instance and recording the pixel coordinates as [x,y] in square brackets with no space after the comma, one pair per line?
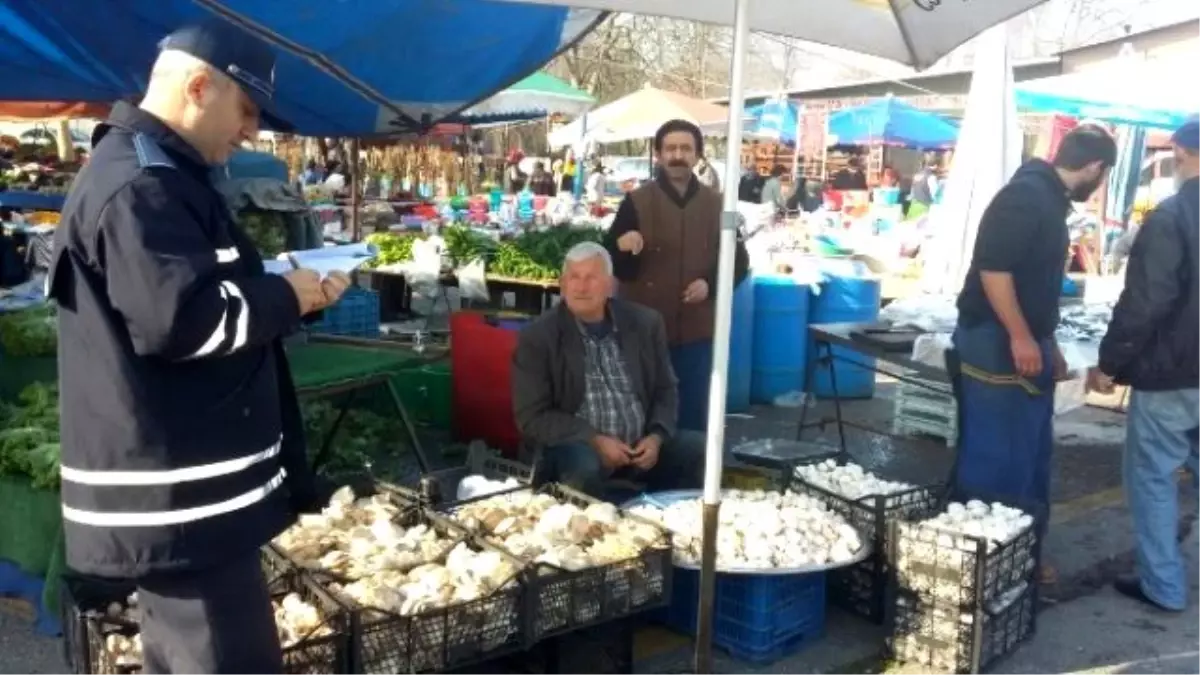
[182,444]
[1153,341]
[549,374]
[1023,232]
[682,244]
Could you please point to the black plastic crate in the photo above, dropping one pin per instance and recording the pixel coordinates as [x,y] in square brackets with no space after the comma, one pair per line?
[88,623]
[560,601]
[862,588]
[437,639]
[959,570]
[948,639]
[486,465]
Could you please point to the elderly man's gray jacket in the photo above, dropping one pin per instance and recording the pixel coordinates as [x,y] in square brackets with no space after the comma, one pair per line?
[549,374]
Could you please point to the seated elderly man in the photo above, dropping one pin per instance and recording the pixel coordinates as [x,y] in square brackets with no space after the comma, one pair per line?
[593,387]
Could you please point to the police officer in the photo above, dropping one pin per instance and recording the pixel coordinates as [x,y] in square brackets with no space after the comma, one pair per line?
[182,441]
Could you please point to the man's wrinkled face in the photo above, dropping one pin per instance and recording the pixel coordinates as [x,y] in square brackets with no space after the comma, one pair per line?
[225,116]
[1092,177]
[586,287]
[678,155]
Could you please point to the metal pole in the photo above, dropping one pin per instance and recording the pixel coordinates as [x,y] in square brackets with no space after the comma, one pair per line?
[715,450]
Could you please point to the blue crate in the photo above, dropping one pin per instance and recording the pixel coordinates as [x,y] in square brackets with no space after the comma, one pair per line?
[356,314]
[759,619]
[16,583]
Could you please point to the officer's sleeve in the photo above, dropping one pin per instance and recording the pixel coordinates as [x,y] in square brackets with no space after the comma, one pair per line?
[161,272]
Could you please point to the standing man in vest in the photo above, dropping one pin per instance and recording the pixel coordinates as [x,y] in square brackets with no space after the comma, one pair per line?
[1007,315]
[665,242]
[182,443]
[924,188]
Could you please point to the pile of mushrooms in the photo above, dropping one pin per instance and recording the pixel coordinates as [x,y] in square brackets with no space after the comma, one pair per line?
[295,619]
[760,530]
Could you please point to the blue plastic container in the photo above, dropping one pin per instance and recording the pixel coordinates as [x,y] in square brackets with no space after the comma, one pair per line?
[845,300]
[756,618]
[741,348]
[16,583]
[781,309]
[356,314]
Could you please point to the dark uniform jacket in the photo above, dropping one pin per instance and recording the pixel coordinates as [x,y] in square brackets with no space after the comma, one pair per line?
[1153,341]
[681,235]
[182,444]
[549,374]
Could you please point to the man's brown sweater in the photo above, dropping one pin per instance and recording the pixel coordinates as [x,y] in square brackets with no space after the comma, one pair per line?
[682,244]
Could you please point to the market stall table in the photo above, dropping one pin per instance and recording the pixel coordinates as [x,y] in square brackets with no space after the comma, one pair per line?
[867,341]
[329,365]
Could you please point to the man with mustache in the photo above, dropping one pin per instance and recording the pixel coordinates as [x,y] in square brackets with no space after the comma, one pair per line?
[1008,311]
[665,243]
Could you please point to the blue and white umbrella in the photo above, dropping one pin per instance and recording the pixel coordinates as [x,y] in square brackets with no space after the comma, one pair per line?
[776,120]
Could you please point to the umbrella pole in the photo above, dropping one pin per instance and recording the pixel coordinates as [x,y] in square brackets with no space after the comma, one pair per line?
[715,448]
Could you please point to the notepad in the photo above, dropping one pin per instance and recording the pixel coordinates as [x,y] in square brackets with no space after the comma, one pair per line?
[345,258]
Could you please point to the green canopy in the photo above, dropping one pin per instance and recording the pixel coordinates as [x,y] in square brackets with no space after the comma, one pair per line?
[539,93]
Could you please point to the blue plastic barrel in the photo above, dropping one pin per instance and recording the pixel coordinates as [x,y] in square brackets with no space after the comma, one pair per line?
[845,300]
[741,348]
[781,308]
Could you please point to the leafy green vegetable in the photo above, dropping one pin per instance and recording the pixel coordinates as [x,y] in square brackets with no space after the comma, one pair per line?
[29,444]
[393,248]
[29,332]
[464,245]
[364,439]
[538,256]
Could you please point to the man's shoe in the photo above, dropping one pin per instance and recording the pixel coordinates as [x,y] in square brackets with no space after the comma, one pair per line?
[1131,587]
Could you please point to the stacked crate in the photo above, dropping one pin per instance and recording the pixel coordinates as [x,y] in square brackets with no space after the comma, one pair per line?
[926,407]
[960,602]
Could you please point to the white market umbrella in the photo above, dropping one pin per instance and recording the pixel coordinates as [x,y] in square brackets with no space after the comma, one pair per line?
[986,156]
[541,92]
[638,115]
[913,32]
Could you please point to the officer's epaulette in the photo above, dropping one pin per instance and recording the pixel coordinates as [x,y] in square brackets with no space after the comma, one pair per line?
[149,153]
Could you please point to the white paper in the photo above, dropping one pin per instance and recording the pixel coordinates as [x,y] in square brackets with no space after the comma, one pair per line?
[345,258]
[278,266]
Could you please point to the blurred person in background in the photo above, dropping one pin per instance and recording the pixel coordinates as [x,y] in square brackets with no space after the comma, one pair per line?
[707,174]
[570,169]
[665,242]
[772,192]
[597,182]
[1006,361]
[1153,345]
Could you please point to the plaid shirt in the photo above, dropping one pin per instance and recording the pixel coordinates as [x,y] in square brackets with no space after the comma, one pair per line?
[610,404]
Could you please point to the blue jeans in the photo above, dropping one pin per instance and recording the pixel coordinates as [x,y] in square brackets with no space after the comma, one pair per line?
[1161,437]
[1006,439]
[692,363]
[680,466]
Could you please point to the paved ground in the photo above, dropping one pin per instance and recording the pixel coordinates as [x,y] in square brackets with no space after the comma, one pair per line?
[1084,626]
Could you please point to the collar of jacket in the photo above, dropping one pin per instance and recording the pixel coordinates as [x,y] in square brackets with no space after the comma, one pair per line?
[668,189]
[615,311]
[132,118]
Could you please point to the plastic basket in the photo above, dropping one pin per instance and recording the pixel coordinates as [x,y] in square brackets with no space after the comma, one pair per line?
[560,600]
[942,639]
[87,625]
[356,314]
[757,618]
[490,467]
[862,588]
[957,570]
[438,639]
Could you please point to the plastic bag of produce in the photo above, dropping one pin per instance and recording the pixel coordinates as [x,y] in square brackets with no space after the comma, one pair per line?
[472,281]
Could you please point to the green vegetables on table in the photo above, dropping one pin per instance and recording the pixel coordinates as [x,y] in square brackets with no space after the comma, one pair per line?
[29,442]
[539,255]
[29,332]
[393,248]
[464,245]
[364,441]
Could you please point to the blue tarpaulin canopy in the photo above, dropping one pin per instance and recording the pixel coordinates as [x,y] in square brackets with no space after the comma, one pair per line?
[349,68]
[889,121]
[775,120]
[1147,95]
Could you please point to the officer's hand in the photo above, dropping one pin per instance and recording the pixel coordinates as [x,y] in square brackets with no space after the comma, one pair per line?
[307,286]
[334,286]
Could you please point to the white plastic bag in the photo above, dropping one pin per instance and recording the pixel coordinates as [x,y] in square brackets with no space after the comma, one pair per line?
[472,281]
